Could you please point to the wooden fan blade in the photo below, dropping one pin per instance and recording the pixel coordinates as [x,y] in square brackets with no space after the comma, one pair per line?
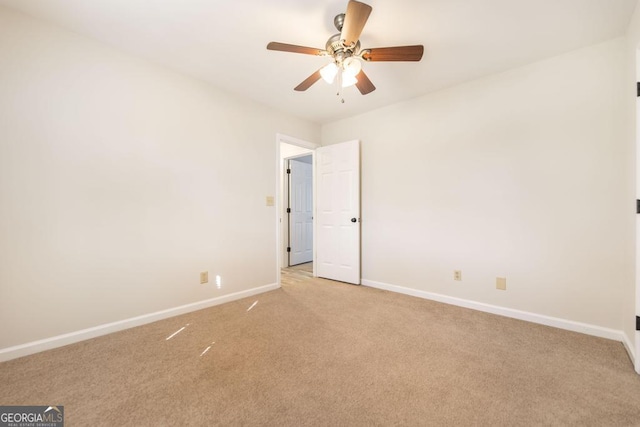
[284,47]
[364,85]
[354,19]
[306,84]
[399,53]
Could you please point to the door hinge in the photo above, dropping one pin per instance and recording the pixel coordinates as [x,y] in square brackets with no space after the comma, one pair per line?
[288,170]
[288,210]
[638,206]
[288,249]
[637,323]
[638,88]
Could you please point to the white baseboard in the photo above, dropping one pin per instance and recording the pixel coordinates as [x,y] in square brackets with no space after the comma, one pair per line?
[569,325]
[96,331]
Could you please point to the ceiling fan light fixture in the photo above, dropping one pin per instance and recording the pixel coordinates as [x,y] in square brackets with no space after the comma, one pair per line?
[352,66]
[348,80]
[329,72]
[346,54]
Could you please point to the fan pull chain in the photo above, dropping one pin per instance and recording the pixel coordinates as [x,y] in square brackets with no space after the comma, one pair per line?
[339,83]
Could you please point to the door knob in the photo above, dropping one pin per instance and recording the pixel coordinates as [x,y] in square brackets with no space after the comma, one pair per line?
[353,220]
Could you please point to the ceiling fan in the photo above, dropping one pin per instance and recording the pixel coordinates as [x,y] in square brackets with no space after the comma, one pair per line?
[346,54]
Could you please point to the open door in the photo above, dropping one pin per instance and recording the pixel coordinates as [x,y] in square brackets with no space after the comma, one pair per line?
[338,212]
[300,210]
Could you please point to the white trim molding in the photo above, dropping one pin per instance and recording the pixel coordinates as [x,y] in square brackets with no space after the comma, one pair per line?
[636,359]
[280,137]
[628,345]
[555,322]
[108,328]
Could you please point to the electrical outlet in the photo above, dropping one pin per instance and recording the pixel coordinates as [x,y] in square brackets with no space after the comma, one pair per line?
[204,277]
[457,275]
[501,283]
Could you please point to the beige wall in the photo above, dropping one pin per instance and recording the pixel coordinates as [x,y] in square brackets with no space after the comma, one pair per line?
[120,181]
[524,175]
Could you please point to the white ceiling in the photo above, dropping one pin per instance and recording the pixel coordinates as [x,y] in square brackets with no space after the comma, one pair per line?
[224,42]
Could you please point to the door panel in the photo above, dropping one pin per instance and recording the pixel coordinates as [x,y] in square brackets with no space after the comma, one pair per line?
[301,216]
[338,202]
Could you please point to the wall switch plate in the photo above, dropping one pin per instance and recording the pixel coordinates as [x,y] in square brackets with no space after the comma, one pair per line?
[457,275]
[501,283]
[204,277]
[270,201]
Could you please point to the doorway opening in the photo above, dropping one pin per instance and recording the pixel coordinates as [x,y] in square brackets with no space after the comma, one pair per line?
[335,197]
[295,229]
[298,200]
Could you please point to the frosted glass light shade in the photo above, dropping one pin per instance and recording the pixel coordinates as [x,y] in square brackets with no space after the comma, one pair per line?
[352,66]
[329,72]
[348,79]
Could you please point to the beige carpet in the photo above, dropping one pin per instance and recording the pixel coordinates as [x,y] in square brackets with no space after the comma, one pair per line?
[323,353]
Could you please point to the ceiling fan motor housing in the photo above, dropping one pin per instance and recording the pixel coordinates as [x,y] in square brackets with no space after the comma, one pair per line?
[338,51]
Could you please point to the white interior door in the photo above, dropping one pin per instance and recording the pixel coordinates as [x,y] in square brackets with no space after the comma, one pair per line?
[301,215]
[338,212]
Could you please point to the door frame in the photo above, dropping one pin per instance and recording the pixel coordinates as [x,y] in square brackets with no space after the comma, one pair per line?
[636,121]
[282,138]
